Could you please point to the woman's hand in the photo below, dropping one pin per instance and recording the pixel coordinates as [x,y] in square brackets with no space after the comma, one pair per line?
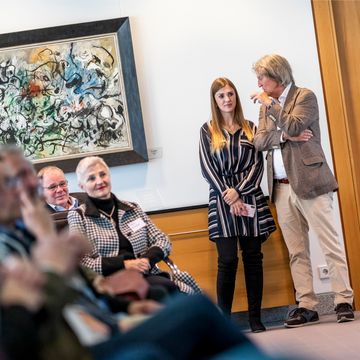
[238,208]
[230,196]
[142,265]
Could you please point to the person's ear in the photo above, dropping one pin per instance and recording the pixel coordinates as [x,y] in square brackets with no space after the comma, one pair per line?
[81,186]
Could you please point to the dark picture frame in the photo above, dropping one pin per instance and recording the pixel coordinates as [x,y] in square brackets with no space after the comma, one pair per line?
[107,110]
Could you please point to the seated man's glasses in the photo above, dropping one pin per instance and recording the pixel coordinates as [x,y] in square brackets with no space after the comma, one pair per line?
[53,187]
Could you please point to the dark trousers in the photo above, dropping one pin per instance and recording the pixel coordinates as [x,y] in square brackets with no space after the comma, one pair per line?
[166,283]
[189,327]
[227,268]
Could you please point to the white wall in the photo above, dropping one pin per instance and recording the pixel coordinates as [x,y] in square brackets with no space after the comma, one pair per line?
[180,47]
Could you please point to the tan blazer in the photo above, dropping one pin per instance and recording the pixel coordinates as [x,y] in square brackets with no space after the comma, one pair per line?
[305,163]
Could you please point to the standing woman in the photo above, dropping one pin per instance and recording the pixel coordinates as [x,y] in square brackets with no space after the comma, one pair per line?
[233,169]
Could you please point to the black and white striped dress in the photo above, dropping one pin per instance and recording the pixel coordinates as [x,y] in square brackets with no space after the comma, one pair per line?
[237,165]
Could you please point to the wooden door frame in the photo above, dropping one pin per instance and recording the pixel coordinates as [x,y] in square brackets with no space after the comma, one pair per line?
[338,122]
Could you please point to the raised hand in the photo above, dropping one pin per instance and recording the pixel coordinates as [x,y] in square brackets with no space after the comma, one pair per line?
[261,97]
[37,219]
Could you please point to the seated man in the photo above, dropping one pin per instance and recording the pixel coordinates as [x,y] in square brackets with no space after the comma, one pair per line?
[56,190]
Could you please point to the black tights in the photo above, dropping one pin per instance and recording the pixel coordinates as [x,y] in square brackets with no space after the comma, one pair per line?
[227,268]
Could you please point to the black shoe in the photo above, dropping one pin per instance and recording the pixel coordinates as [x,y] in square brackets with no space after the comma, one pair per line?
[256,325]
[301,317]
[344,312]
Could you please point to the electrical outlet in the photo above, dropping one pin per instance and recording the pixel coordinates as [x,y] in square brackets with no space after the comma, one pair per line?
[323,271]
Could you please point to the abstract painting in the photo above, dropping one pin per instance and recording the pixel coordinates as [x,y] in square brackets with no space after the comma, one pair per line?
[72,95]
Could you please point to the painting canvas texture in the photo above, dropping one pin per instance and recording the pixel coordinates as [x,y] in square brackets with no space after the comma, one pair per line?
[63,99]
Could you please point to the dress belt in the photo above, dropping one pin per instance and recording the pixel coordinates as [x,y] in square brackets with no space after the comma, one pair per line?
[281,181]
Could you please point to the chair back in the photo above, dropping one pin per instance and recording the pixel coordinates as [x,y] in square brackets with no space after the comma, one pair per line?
[60,218]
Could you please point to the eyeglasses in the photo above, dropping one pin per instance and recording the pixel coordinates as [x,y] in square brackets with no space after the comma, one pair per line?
[53,187]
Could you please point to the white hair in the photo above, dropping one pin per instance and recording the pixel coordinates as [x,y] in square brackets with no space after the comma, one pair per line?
[84,165]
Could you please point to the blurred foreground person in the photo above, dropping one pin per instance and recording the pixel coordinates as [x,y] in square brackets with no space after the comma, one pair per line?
[49,311]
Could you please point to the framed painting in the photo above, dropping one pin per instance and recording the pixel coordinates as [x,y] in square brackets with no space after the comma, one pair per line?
[71,91]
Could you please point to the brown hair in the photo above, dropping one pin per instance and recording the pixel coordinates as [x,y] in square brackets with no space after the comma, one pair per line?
[218,140]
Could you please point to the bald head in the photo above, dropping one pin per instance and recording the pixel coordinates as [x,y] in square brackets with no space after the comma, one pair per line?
[55,186]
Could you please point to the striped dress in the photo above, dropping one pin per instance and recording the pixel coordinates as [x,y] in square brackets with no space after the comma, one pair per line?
[238,165]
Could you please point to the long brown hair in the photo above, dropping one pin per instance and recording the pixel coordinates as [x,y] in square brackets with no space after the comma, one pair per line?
[218,140]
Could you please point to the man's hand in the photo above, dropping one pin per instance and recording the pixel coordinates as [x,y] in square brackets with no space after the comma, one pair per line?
[305,135]
[262,98]
[37,219]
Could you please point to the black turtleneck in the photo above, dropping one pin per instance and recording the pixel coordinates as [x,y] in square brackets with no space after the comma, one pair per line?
[106,205]
[126,251]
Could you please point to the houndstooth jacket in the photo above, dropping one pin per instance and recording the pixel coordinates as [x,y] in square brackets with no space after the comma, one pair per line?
[103,236]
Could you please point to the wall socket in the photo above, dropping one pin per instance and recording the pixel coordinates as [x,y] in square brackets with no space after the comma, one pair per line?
[323,271]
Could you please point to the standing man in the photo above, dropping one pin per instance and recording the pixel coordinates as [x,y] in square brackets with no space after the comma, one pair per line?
[56,191]
[301,184]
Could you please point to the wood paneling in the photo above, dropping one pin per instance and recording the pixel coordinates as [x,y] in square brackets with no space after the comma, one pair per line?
[337,25]
[194,253]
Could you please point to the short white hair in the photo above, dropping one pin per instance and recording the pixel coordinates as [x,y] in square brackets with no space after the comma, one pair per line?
[84,165]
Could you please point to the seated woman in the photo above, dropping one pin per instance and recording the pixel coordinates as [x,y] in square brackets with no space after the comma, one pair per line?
[121,235]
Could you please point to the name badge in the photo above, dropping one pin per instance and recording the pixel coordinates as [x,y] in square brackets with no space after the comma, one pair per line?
[136,224]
